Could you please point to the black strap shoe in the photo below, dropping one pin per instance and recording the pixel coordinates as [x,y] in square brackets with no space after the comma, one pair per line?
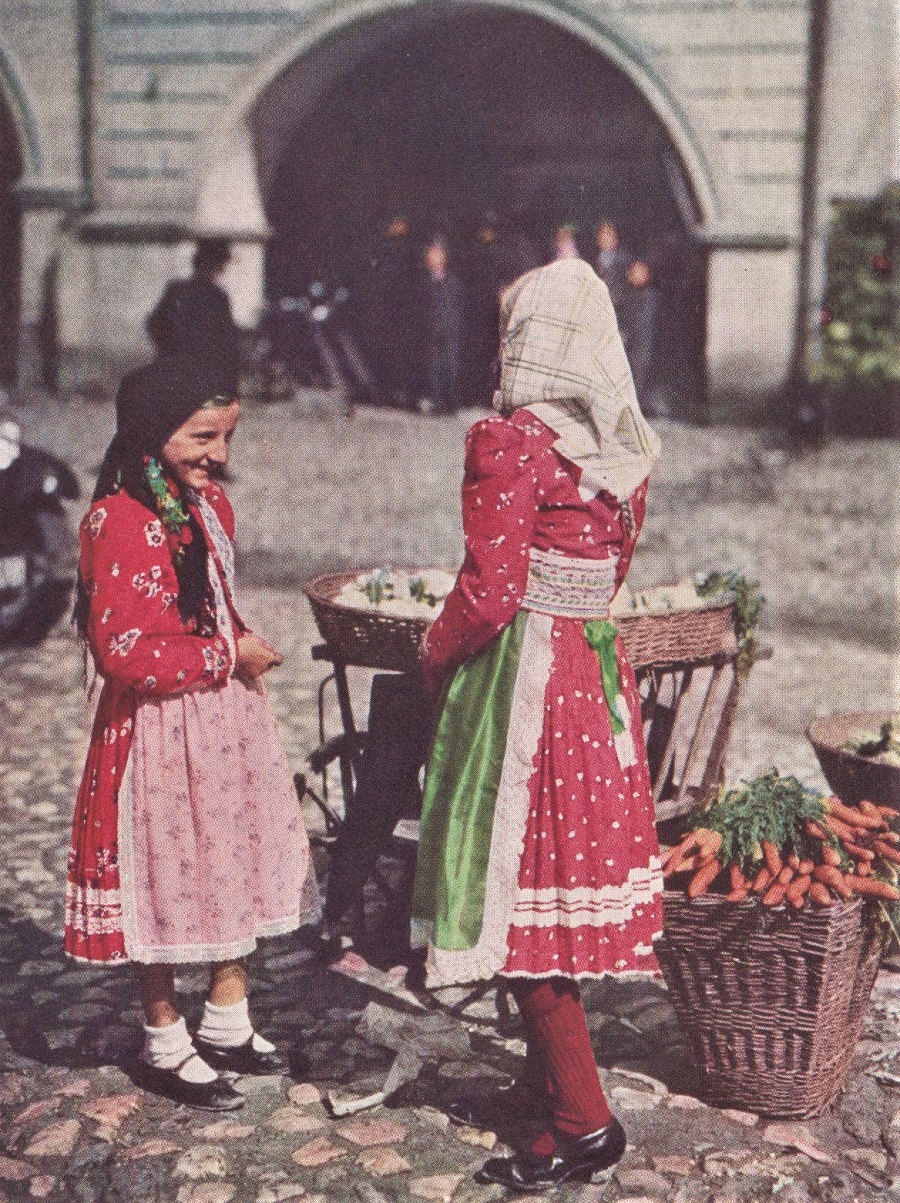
[242,1059]
[217,1095]
[588,1159]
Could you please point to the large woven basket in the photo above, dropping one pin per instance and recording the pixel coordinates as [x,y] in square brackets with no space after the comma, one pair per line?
[854,777]
[372,639]
[771,999]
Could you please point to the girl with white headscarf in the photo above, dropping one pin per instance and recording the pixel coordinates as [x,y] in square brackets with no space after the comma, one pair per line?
[538,857]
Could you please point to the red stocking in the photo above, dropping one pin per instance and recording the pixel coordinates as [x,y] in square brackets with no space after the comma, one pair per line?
[552,1011]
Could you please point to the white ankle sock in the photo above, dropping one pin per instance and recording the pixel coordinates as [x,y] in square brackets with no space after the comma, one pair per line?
[229,1027]
[172,1048]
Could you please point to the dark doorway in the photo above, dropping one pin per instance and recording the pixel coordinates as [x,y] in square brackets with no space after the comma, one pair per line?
[485,114]
[10,246]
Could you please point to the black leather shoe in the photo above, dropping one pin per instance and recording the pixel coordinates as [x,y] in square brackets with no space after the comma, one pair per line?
[217,1095]
[242,1059]
[588,1159]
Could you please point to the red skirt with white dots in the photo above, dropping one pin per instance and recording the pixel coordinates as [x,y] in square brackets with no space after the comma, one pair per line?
[538,855]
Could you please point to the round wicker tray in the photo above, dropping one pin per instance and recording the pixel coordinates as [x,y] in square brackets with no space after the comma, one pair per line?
[854,777]
[371,639]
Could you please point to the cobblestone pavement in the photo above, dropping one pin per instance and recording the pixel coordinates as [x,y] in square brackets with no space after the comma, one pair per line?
[73,1126]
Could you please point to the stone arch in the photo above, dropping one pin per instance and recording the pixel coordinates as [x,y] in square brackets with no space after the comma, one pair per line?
[229,192]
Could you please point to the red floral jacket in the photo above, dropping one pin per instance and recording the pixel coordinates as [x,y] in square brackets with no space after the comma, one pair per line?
[519,493]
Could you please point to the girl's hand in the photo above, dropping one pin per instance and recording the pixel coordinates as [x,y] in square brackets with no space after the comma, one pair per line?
[254,657]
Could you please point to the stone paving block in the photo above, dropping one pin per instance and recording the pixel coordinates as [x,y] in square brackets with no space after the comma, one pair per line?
[37,1110]
[13,1170]
[202,1161]
[476,1137]
[56,1140]
[317,1152]
[113,1109]
[438,1188]
[635,1100]
[383,1162]
[304,1094]
[205,1192]
[368,1132]
[42,1186]
[155,1147]
[281,1191]
[640,1181]
[291,1119]
[795,1136]
[674,1165]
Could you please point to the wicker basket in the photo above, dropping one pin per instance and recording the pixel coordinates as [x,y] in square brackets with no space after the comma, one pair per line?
[771,1000]
[854,777]
[372,639]
[367,638]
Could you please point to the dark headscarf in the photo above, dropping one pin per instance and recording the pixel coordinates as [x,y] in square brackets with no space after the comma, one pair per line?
[152,403]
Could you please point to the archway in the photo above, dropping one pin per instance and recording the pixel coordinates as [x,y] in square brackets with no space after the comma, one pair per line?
[446,111]
[10,245]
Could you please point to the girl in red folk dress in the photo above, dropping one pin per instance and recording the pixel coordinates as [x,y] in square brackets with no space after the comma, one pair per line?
[538,857]
[187,843]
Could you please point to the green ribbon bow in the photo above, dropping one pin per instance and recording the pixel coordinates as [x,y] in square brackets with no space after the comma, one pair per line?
[601,636]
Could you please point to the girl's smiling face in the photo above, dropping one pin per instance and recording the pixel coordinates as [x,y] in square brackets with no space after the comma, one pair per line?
[198,450]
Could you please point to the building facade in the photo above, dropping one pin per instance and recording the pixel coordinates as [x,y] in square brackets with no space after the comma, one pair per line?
[127,126]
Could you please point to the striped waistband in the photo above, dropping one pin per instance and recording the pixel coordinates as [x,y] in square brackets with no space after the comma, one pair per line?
[569,587]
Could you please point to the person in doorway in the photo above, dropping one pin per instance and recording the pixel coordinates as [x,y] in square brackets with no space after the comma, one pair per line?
[193,317]
[388,295]
[538,858]
[440,320]
[565,242]
[187,844]
[611,263]
[640,303]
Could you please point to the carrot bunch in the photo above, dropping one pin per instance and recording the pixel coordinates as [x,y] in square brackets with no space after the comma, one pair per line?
[786,845]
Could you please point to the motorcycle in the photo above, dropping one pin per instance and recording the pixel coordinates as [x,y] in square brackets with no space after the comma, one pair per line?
[37,550]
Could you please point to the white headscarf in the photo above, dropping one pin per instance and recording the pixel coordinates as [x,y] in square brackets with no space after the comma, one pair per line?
[561,355]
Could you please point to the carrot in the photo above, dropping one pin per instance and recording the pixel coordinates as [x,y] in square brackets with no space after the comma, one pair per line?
[704,877]
[774,862]
[820,894]
[872,887]
[805,867]
[736,896]
[738,880]
[785,875]
[670,854]
[887,851]
[761,881]
[869,808]
[794,861]
[888,812]
[859,853]
[688,864]
[853,816]
[796,891]
[863,868]
[832,877]
[841,830]
[710,842]
[890,837]
[811,827]
[774,896]
[831,856]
